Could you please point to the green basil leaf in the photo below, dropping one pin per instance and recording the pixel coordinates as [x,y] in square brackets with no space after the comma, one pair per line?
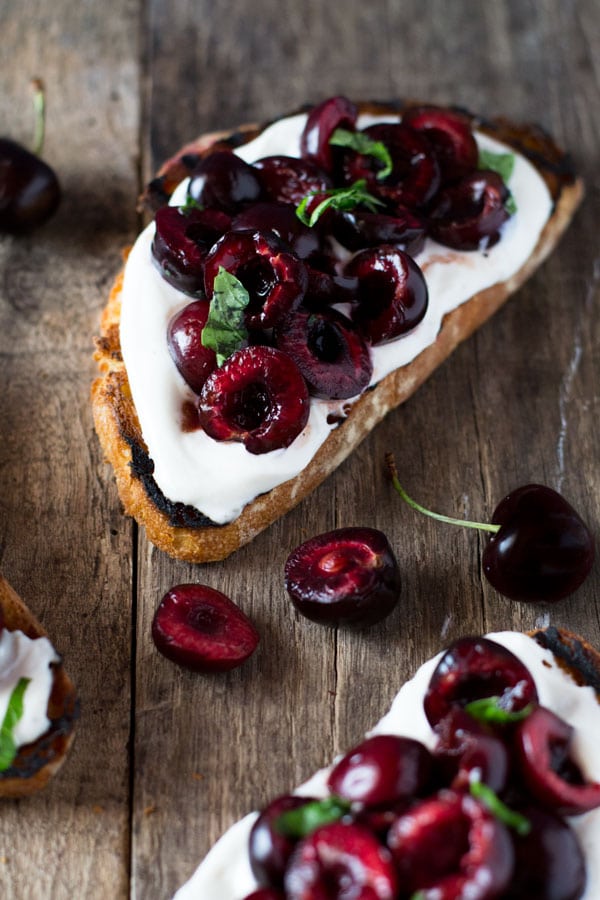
[366,146]
[189,205]
[510,206]
[303,820]
[14,713]
[490,709]
[338,198]
[503,813]
[225,329]
[502,163]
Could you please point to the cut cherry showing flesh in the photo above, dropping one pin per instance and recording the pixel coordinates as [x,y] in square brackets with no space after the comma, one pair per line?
[258,397]
[269,848]
[201,629]
[344,577]
[473,668]
[468,215]
[323,119]
[539,549]
[182,239]
[450,136]
[289,179]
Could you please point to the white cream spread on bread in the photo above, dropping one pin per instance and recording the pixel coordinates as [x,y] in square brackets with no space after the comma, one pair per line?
[25,657]
[225,873]
[220,478]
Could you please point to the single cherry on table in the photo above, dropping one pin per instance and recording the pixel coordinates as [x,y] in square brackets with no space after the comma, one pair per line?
[540,549]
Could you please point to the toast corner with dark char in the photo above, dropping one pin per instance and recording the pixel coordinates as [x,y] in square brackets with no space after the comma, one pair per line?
[182,531]
[37,762]
[573,654]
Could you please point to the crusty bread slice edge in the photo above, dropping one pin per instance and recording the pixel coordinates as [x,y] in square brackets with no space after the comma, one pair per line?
[115,417]
[36,763]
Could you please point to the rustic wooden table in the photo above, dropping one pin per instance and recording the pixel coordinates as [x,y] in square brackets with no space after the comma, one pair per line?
[164,760]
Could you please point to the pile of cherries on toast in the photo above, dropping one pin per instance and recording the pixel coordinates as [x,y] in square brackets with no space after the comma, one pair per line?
[481,816]
[335,229]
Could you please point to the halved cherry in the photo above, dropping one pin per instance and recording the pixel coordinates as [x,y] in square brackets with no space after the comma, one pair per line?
[543,751]
[183,238]
[258,397]
[289,179]
[338,862]
[451,847]
[333,358]
[476,667]
[357,230]
[201,629]
[392,292]
[415,175]
[275,280]
[382,770]
[449,132]
[464,747]
[335,112]
[469,214]
[281,219]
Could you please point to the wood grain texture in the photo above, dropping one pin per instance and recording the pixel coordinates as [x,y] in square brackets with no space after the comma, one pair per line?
[164,760]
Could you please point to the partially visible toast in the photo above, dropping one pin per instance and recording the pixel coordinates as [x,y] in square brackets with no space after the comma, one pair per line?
[37,762]
[184,532]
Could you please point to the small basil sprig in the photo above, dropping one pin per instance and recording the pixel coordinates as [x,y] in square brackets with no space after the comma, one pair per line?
[189,205]
[338,198]
[490,709]
[302,821]
[14,713]
[500,810]
[503,164]
[225,329]
[366,146]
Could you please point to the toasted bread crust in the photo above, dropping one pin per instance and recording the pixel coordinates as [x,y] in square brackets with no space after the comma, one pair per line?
[173,527]
[37,762]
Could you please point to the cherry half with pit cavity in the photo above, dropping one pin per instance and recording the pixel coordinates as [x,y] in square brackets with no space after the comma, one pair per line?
[335,112]
[194,361]
[348,576]
[540,550]
[181,242]
[201,629]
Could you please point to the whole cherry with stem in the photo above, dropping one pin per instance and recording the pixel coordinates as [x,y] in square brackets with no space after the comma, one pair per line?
[539,550]
[29,189]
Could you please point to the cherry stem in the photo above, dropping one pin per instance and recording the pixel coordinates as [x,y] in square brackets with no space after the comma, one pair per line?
[481,526]
[39,108]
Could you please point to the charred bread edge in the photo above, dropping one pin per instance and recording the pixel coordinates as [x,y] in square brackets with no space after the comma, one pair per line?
[37,762]
[116,420]
[573,654]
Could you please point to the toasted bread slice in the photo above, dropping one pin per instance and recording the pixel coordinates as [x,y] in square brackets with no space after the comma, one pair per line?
[225,872]
[37,762]
[182,531]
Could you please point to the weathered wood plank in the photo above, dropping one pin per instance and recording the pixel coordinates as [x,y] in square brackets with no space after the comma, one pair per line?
[65,546]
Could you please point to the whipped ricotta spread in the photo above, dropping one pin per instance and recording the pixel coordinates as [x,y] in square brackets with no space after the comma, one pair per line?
[32,658]
[220,477]
[225,873]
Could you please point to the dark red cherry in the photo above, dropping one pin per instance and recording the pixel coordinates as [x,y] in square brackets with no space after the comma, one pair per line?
[29,189]
[336,112]
[258,397]
[392,293]
[357,230]
[449,133]
[268,848]
[415,175]
[543,551]
[476,667]
[289,179]
[344,577]
[450,847]
[333,358]
[383,770]
[183,238]
[464,746]
[469,214]
[275,279]
[223,181]
[282,221]
[194,361]
[549,862]
[341,862]
[200,628]
[543,751]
